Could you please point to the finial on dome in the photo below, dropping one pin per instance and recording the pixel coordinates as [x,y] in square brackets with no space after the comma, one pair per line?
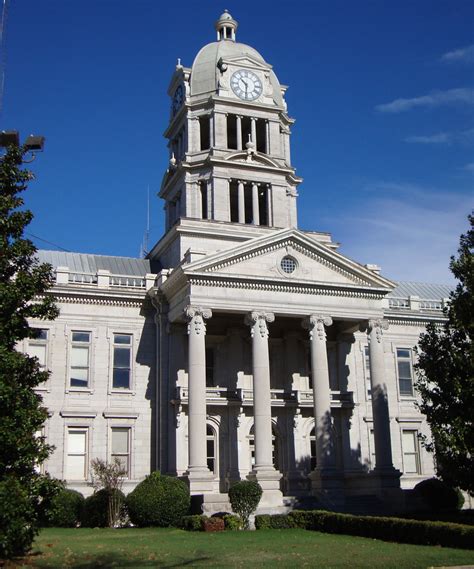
[226,27]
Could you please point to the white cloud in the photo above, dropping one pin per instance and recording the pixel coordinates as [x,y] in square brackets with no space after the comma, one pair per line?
[464,54]
[452,137]
[409,230]
[434,99]
[469,167]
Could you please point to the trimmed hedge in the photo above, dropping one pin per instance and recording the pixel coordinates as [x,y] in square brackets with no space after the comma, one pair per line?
[96,506]
[158,501]
[196,522]
[233,522]
[192,523]
[66,509]
[388,529]
[278,521]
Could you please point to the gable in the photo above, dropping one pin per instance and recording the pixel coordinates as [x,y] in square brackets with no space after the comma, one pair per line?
[314,262]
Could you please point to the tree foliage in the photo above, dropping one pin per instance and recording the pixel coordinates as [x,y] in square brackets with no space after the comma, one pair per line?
[446,376]
[109,476]
[23,286]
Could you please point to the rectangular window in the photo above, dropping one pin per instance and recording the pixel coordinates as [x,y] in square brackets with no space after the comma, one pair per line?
[405,375]
[411,452]
[80,356]
[76,464]
[37,346]
[121,447]
[368,386]
[372,449]
[122,361]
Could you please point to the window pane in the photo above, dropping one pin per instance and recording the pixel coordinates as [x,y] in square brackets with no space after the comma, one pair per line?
[404,370]
[76,467]
[81,336]
[124,462]
[408,441]
[77,442]
[39,352]
[406,387]
[120,441]
[122,339]
[80,356]
[121,378]
[410,463]
[79,377]
[122,357]
[403,353]
[41,334]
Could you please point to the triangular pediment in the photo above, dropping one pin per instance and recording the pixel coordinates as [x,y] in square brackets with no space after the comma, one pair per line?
[255,157]
[314,262]
[247,61]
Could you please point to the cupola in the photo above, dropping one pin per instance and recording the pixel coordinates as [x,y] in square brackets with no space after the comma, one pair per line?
[226,27]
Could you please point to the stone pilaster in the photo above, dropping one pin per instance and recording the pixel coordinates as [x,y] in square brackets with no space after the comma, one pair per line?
[264,471]
[199,476]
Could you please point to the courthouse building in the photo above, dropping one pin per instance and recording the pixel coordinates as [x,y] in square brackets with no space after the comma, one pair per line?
[241,347]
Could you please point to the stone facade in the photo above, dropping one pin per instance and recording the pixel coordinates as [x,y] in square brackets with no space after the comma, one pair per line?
[241,347]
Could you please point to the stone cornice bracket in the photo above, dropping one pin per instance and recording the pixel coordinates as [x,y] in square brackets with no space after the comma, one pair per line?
[317,322]
[258,321]
[195,315]
[378,326]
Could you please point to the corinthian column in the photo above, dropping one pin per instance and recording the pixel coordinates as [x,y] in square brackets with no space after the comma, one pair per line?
[264,471]
[197,467]
[325,452]
[380,410]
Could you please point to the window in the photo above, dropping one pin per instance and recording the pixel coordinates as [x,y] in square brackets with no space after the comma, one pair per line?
[79,364]
[371,449]
[251,438]
[121,447]
[368,385]
[209,367]
[211,449]
[76,463]
[405,376]
[312,448]
[122,358]
[288,264]
[411,452]
[37,346]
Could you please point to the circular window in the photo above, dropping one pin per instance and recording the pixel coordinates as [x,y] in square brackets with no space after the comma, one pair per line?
[288,265]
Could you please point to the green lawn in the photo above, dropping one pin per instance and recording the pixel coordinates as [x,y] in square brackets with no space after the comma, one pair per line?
[136,548]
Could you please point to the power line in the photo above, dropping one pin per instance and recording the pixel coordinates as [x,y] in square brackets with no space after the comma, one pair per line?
[48,242]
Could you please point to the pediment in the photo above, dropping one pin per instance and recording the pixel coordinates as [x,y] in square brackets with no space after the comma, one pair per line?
[255,157]
[261,258]
[246,61]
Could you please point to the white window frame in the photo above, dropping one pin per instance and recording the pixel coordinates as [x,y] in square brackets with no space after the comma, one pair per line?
[45,386]
[86,454]
[372,456]
[81,345]
[410,360]
[366,366]
[215,439]
[417,453]
[127,428]
[112,333]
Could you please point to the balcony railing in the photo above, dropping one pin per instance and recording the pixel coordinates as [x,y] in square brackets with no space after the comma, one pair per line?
[279,397]
[103,279]
[414,303]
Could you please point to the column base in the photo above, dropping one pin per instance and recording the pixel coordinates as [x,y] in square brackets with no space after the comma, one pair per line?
[269,480]
[327,485]
[385,477]
[199,481]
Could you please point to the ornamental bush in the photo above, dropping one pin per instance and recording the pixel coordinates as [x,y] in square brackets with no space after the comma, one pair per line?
[158,501]
[244,498]
[437,495]
[96,509]
[192,523]
[66,509]
[15,535]
[232,522]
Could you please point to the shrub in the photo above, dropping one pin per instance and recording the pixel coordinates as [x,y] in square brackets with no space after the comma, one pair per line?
[437,495]
[244,498]
[212,524]
[263,521]
[232,522]
[66,509]
[158,501]
[192,523]
[277,521]
[15,535]
[96,507]
[388,529]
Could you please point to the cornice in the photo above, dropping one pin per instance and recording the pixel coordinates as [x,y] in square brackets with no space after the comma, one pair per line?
[421,321]
[96,297]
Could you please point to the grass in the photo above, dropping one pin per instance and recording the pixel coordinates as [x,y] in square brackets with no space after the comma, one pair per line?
[167,548]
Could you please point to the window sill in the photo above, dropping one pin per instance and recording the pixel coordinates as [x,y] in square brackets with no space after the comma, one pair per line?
[79,390]
[121,392]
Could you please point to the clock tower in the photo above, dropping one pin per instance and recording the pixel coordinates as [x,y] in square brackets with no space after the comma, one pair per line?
[230,176]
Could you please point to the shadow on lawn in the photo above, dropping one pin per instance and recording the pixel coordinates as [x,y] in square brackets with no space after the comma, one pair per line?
[113,560]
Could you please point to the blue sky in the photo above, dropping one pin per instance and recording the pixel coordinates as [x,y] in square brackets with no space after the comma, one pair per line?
[382,93]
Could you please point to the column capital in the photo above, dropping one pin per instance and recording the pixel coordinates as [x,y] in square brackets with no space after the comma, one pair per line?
[259,320]
[196,315]
[317,322]
[378,326]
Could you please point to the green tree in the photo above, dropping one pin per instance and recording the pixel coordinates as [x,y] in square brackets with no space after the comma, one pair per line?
[24,283]
[445,372]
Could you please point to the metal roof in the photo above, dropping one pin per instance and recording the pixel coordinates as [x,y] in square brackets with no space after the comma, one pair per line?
[85,263]
[425,291]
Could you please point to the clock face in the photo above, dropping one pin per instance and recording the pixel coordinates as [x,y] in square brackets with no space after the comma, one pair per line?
[246,85]
[178,99]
